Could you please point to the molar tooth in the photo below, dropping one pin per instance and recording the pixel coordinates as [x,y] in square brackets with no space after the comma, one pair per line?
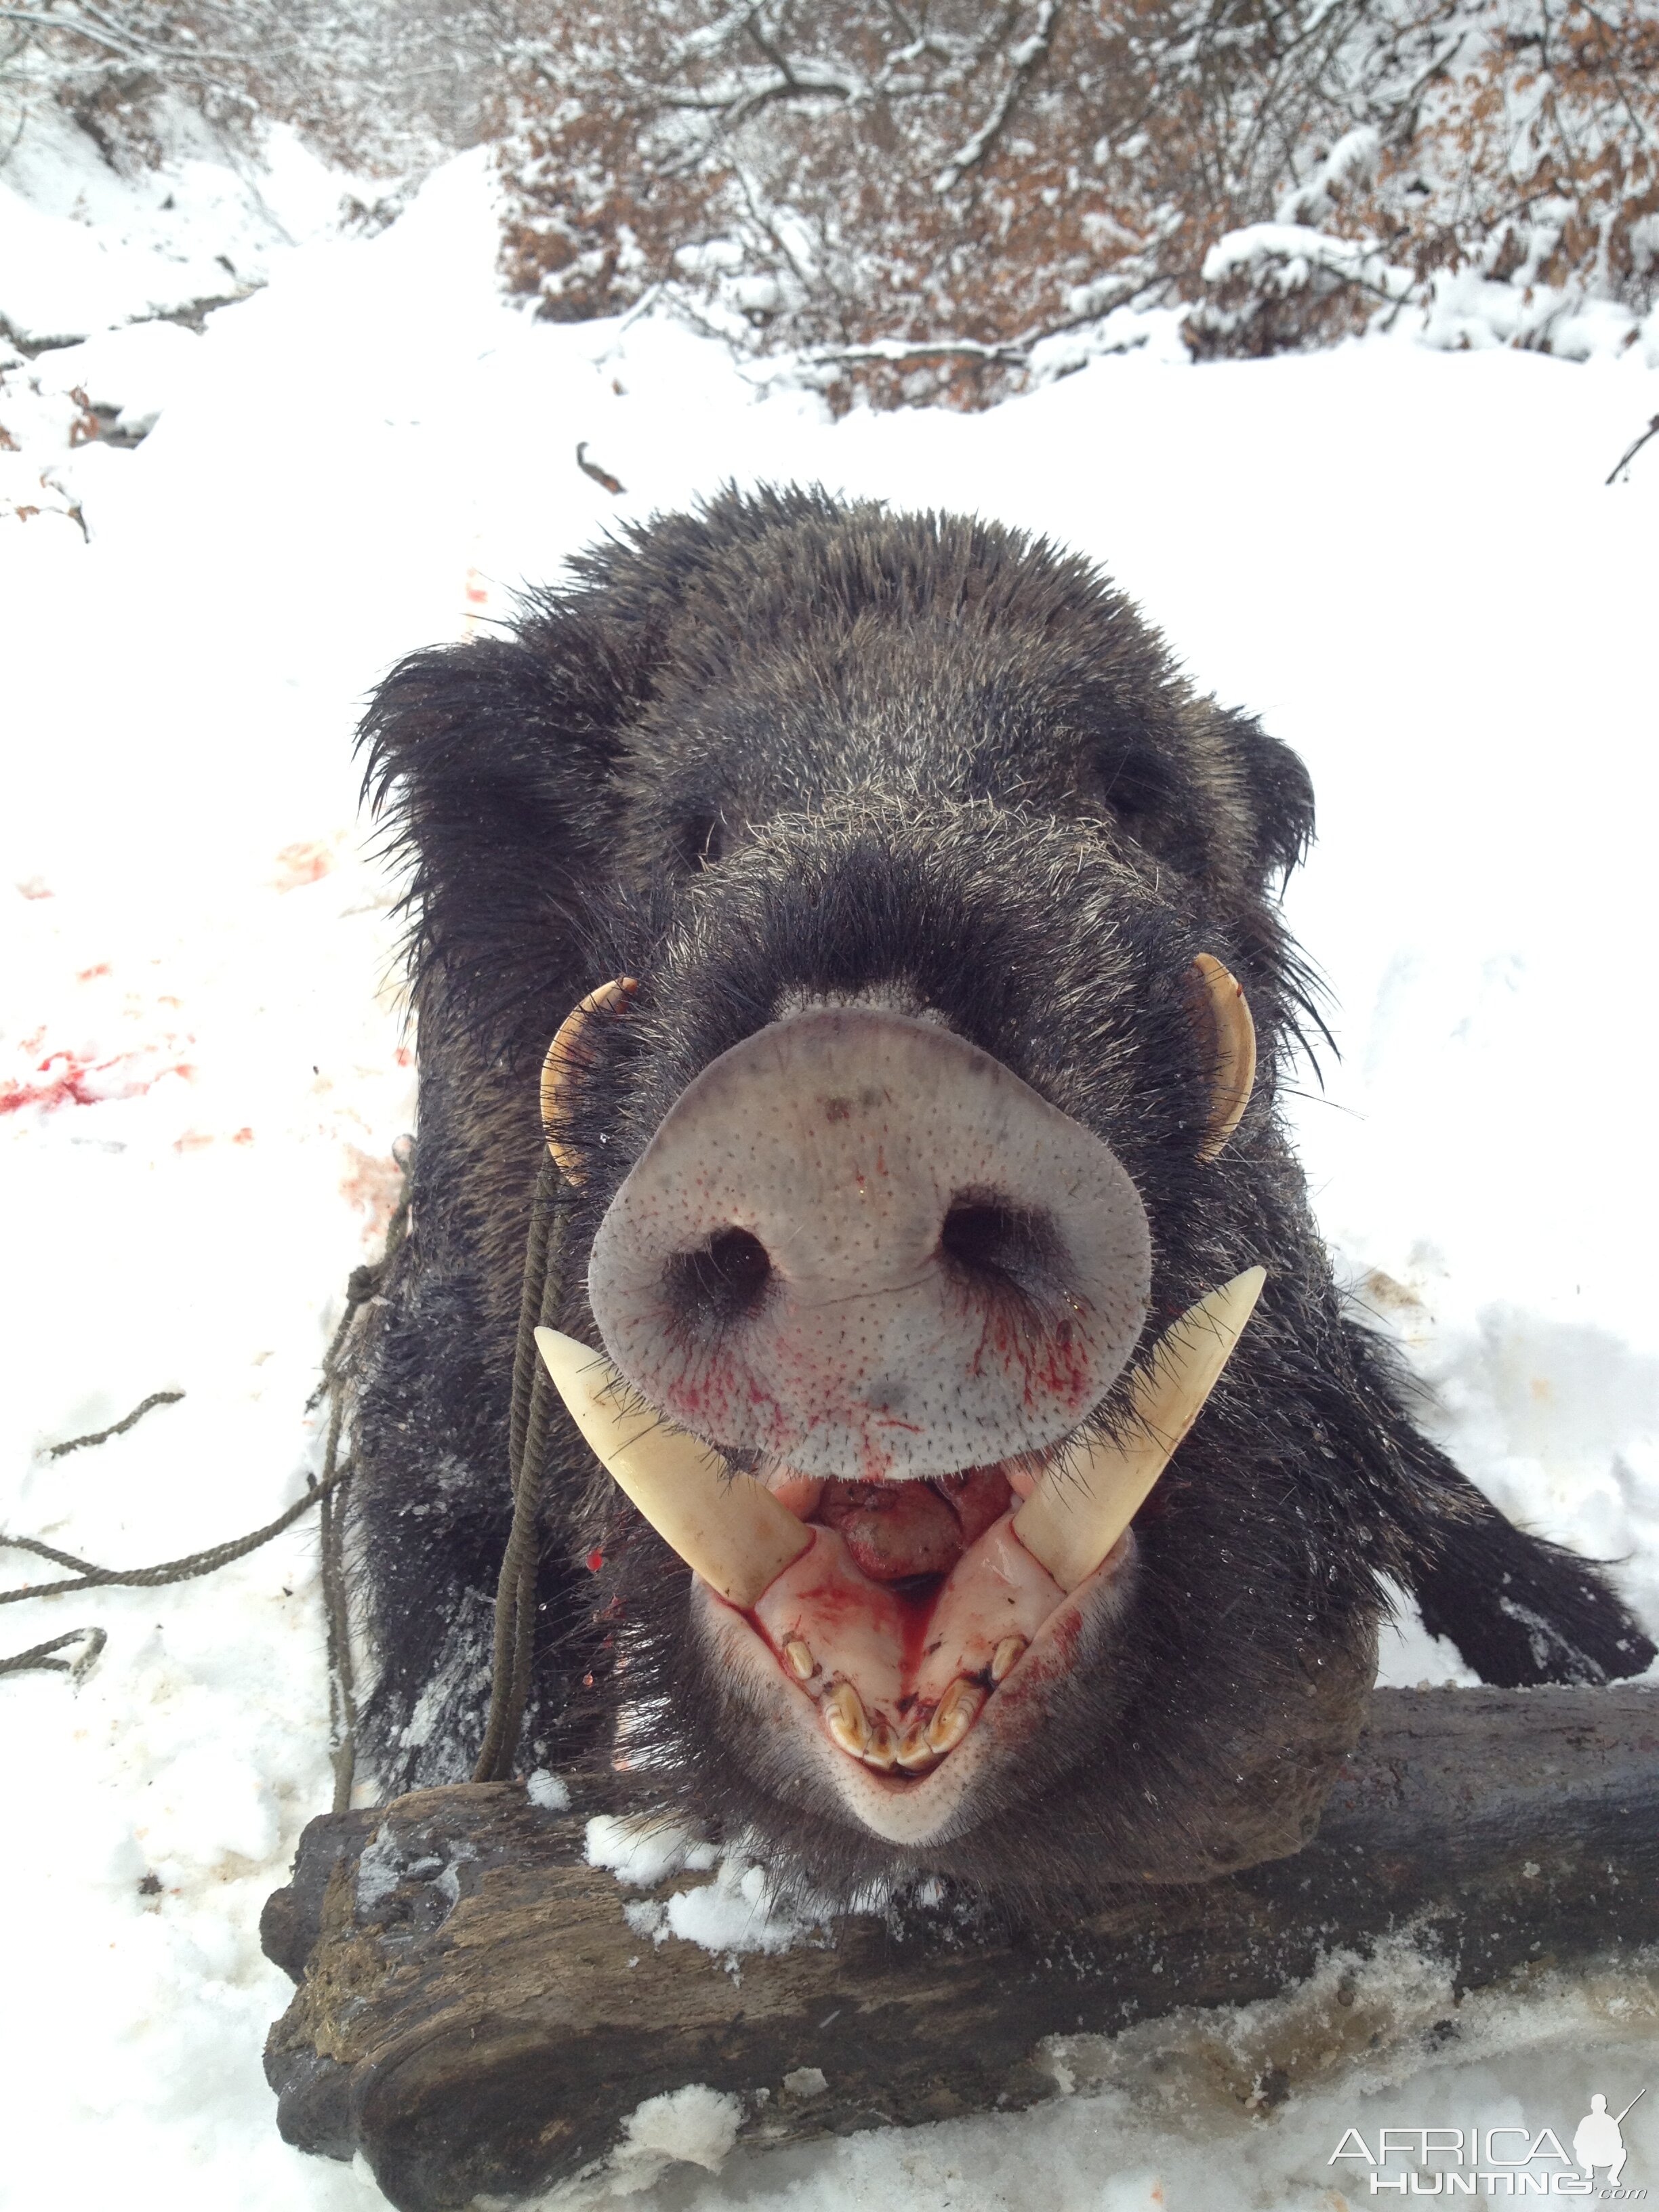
[728,1528]
[844,1717]
[1007,1656]
[802,1664]
[1071,1519]
[954,1715]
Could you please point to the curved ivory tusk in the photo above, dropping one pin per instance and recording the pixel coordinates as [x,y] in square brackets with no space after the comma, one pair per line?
[728,1528]
[1234,1070]
[566,1057]
[1076,1512]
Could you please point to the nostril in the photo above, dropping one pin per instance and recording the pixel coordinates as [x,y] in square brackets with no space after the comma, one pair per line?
[986,1236]
[722,1280]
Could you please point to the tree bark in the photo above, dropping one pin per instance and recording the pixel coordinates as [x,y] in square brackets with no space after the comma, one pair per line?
[477,2014]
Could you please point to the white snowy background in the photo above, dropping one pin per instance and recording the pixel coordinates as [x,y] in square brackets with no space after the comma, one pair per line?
[1406,560]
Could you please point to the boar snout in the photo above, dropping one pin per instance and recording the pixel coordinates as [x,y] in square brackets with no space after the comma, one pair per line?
[859,1246]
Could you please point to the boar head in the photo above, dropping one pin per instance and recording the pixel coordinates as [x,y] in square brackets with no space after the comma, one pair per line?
[915,1125]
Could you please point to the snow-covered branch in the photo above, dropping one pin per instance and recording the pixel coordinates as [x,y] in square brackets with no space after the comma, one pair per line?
[1023,63]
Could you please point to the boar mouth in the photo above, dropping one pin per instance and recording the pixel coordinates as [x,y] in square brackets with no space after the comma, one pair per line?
[911,1606]
[902,1634]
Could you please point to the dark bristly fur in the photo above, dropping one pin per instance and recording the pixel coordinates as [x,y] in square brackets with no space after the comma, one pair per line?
[784,747]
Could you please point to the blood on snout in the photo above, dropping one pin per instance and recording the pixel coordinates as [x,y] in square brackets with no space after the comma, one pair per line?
[859,1245]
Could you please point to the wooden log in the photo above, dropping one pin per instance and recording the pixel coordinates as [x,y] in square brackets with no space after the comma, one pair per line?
[477,2014]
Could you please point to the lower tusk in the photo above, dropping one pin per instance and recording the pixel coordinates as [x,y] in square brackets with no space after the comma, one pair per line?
[1077,1513]
[728,1528]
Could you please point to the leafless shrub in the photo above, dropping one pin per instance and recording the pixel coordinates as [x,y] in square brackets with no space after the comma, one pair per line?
[917,198]
[386,85]
[915,193]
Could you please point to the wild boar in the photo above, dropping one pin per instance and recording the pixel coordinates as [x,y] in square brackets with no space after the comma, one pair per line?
[916,1188]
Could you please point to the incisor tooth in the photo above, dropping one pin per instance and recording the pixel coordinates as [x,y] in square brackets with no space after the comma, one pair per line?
[1075,1515]
[1233,1073]
[881,1751]
[728,1528]
[955,1714]
[1007,1656]
[916,1754]
[799,1656]
[843,1716]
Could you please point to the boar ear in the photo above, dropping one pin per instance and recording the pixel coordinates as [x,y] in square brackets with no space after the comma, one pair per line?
[1281,796]
[490,765]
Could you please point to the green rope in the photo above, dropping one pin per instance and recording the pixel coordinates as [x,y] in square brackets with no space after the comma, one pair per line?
[88,1577]
[117,1428]
[531,1414]
[513,1652]
[367,1285]
[37,1658]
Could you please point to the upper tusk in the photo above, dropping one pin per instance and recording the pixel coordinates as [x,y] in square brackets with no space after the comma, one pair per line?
[728,1528]
[566,1056]
[1075,1515]
[1234,1071]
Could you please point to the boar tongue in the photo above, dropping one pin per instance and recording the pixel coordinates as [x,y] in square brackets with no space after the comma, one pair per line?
[893,1530]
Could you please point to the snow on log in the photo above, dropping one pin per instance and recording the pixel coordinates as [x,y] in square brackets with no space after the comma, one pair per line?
[479,2011]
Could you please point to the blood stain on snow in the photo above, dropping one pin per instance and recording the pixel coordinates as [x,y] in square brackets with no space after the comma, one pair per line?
[306,862]
[65,1086]
[374,1184]
[86,975]
[69,1079]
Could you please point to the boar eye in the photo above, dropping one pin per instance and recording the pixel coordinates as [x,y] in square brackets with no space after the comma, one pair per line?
[700,841]
[1134,784]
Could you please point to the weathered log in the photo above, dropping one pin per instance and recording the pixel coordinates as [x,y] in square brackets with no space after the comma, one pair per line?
[477,2014]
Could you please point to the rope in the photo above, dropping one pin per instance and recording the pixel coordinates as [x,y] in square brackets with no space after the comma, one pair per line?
[35,1660]
[366,1283]
[363,1286]
[514,1651]
[88,1577]
[514,1648]
[117,1428]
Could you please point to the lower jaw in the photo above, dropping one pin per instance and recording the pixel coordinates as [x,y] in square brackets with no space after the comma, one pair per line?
[791,1746]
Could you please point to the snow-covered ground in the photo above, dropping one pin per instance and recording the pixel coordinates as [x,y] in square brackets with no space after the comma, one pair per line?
[1406,560]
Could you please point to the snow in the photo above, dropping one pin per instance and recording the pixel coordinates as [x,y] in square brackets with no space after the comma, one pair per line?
[87,248]
[696,2124]
[733,1913]
[736,1912]
[1404,560]
[641,1853]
